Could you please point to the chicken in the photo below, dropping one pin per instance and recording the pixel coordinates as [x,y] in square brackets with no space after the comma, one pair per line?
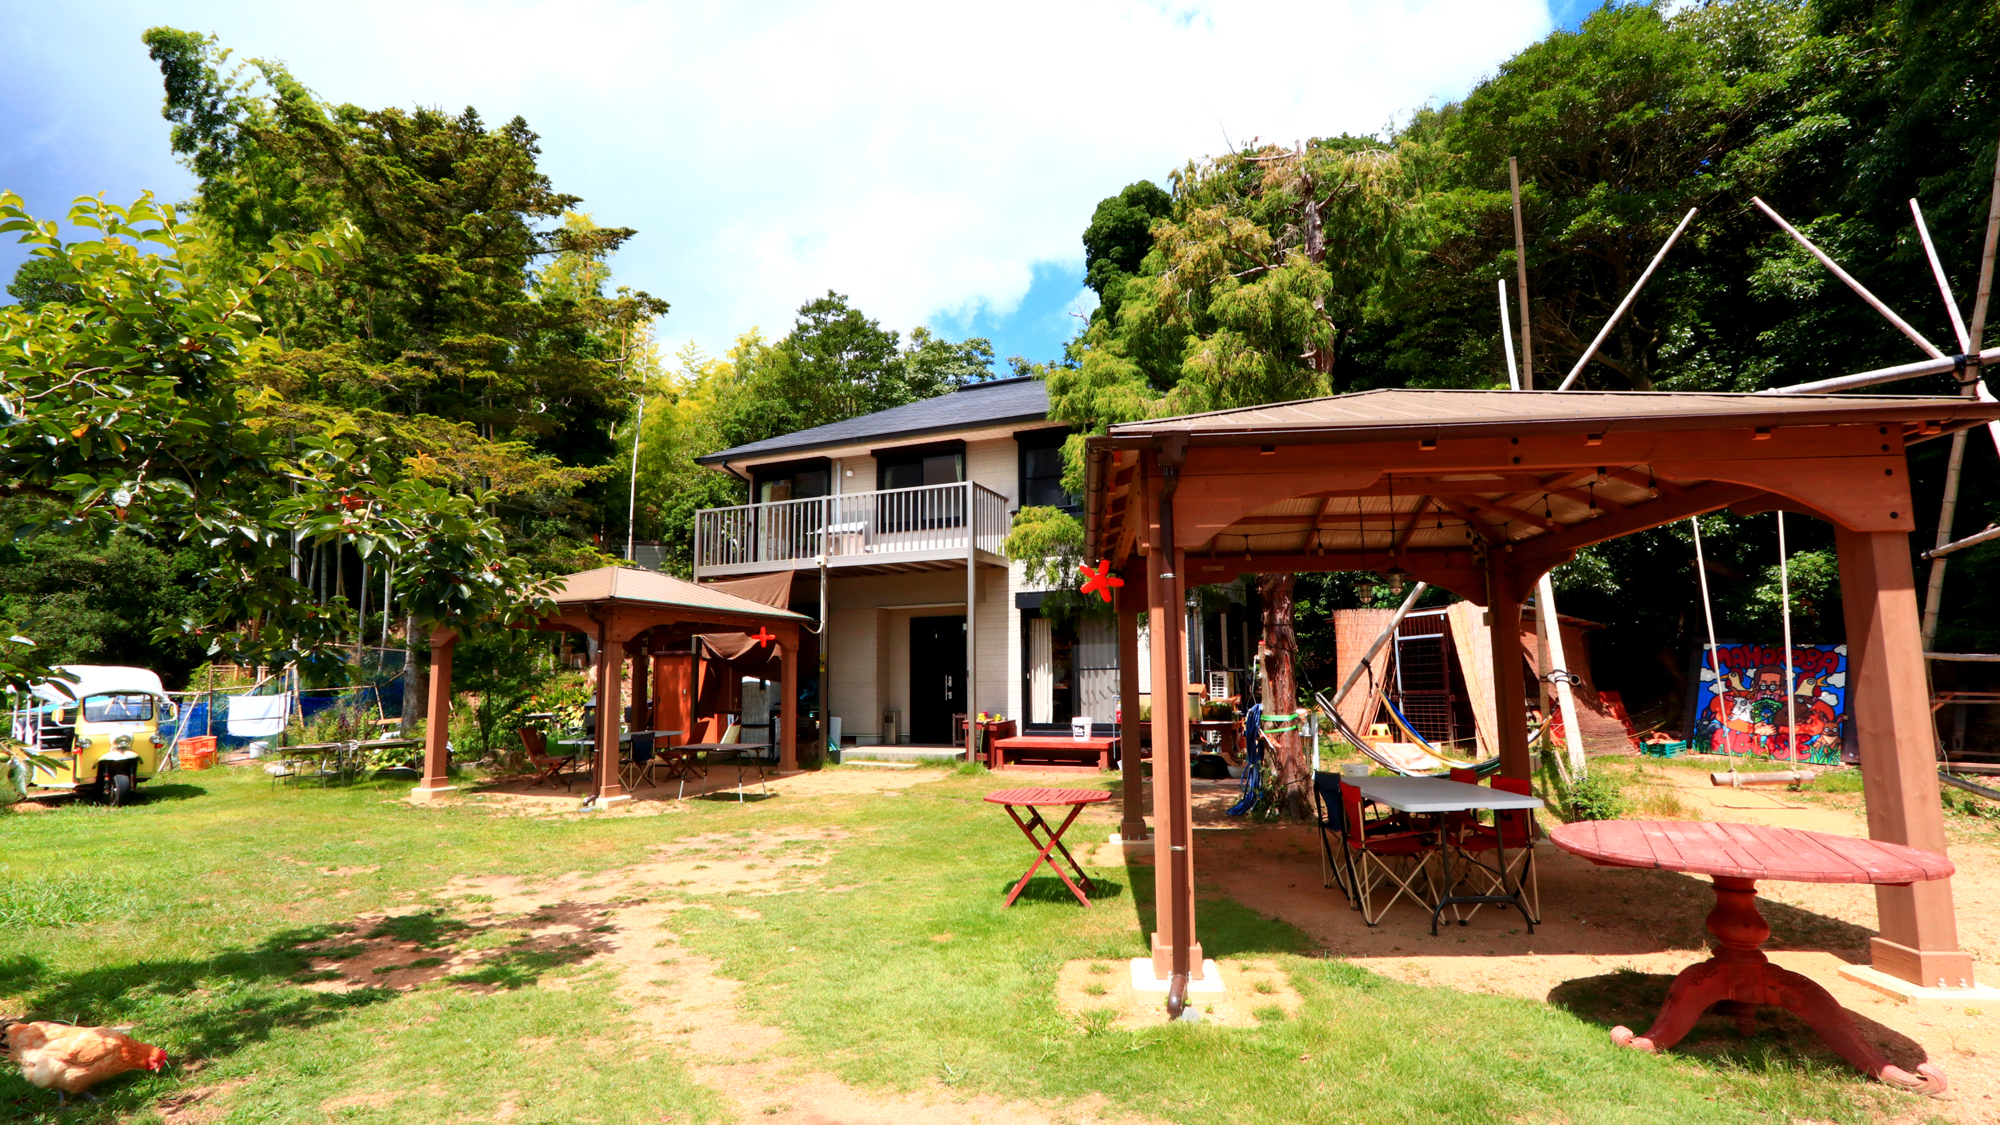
[70,1059]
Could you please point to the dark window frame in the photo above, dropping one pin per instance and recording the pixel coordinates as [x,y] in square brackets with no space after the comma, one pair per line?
[765,474]
[1027,441]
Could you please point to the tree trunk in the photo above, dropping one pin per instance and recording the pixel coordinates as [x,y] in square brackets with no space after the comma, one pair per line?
[416,676]
[1281,653]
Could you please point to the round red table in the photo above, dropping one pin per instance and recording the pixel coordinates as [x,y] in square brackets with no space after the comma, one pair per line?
[1016,799]
[1737,855]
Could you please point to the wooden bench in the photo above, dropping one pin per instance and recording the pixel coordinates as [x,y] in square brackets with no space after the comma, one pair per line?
[1009,753]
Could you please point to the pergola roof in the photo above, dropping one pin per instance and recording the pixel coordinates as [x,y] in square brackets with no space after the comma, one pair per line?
[1436,475]
[631,587]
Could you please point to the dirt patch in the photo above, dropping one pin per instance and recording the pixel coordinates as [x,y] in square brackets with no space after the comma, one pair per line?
[680,1000]
[485,954]
[197,1106]
[1098,995]
[344,872]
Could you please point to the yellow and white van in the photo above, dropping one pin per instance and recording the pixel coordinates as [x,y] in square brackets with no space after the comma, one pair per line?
[95,729]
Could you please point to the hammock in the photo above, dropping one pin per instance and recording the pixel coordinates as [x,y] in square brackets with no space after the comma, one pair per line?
[1253,760]
[1417,758]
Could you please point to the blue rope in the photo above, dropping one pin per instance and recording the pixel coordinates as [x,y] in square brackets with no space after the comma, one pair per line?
[1253,760]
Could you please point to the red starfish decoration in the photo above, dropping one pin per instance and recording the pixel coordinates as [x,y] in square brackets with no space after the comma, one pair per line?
[1100,581]
[763,636]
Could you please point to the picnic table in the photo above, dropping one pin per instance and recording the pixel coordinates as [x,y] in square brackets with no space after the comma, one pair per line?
[686,762]
[1016,799]
[1736,856]
[1436,795]
[1054,746]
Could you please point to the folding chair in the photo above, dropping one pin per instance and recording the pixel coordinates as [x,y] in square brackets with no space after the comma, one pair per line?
[641,763]
[537,745]
[1512,833]
[1334,870]
[1377,859]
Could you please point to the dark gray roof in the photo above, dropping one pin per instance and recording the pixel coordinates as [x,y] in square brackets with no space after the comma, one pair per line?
[973,406]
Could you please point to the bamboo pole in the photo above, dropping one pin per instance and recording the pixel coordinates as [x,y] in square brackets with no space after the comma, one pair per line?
[1521,273]
[1992,532]
[1590,352]
[1874,302]
[1388,631]
[1943,284]
[1894,374]
[1551,629]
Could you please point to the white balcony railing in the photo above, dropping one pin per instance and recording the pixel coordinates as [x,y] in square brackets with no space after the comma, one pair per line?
[937,521]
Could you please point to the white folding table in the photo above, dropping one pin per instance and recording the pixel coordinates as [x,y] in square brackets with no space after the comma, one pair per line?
[1437,795]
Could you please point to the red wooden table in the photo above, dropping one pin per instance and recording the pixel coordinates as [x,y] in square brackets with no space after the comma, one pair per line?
[1060,745]
[1737,855]
[1016,799]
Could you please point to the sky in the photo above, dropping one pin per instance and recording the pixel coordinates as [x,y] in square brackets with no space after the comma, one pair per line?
[936,163]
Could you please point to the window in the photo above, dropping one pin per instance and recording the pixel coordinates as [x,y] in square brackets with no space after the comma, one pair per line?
[798,480]
[917,471]
[1042,469]
[118,709]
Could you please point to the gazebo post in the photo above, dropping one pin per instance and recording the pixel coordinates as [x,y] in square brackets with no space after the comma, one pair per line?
[1503,618]
[1131,755]
[1889,694]
[610,692]
[1174,947]
[642,708]
[788,709]
[437,726]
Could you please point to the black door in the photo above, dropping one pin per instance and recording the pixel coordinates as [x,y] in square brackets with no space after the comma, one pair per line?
[937,677]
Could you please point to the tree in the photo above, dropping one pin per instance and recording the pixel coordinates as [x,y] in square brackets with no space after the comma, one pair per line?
[1116,242]
[36,284]
[120,412]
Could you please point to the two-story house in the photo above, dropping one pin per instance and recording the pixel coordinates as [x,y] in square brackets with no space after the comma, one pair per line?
[902,514]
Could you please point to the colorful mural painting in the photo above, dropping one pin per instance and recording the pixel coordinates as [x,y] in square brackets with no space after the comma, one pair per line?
[1744,714]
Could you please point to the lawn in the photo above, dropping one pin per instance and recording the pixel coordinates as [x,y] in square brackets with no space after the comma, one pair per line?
[205,917]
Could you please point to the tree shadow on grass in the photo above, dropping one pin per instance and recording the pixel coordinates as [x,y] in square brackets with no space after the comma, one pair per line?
[1778,1042]
[172,791]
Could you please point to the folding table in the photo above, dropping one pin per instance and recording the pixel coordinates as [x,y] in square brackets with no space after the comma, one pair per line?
[1438,795]
[736,750]
[1015,799]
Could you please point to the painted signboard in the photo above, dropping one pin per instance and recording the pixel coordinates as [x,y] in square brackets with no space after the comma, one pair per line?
[1744,713]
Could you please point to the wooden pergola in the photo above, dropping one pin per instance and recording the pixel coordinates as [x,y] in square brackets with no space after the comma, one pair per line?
[621,608]
[1481,493]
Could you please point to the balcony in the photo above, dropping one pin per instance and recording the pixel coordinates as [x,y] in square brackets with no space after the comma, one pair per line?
[929,528]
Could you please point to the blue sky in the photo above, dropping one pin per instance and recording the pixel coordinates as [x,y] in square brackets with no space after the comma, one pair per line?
[937,164]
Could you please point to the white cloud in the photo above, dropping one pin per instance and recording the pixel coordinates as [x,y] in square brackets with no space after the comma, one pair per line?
[919,157]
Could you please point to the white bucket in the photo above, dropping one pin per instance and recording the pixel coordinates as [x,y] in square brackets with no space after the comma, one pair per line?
[1079,727]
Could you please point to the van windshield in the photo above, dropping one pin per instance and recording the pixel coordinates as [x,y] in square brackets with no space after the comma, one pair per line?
[118,709]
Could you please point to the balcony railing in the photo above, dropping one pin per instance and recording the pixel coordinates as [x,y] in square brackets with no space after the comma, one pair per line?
[939,521]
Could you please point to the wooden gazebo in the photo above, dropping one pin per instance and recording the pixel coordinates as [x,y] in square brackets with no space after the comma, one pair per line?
[623,609]
[1482,492]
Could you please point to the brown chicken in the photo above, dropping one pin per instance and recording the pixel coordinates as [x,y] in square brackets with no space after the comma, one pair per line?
[70,1059]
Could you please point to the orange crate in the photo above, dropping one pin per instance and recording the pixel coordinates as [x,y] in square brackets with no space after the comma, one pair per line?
[197,743]
[197,759]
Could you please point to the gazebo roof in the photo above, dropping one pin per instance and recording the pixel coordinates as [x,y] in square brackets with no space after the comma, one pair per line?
[636,588]
[1373,415]
[1357,481]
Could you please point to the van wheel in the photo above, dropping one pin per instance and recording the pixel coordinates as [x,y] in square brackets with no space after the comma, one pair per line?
[121,789]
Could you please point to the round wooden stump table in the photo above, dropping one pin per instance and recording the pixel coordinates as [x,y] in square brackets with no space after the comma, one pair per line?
[1736,856]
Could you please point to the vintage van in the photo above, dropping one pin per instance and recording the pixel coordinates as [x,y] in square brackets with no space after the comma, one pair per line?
[94,729]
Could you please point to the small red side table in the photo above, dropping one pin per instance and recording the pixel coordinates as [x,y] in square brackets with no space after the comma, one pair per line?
[1737,855]
[1016,799]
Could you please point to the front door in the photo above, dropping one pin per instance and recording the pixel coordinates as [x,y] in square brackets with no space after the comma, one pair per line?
[937,677]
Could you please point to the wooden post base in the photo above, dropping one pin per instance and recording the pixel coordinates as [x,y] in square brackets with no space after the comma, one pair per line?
[424,793]
[1739,972]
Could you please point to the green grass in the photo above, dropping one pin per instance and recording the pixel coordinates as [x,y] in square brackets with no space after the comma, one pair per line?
[192,915]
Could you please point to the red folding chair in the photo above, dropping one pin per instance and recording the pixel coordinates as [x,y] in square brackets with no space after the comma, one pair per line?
[1511,834]
[537,745]
[1387,859]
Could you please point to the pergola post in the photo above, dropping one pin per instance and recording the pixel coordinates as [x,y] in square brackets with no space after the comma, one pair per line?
[642,707]
[437,725]
[1503,618]
[1173,942]
[610,694]
[1889,693]
[1131,755]
[788,710]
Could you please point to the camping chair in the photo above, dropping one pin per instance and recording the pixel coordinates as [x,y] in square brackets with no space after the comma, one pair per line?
[1388,858]
[1332,817]
[641,763]
[1512,830]
[537,745]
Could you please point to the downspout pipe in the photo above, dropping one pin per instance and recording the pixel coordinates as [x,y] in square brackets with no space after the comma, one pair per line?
[1177,849]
